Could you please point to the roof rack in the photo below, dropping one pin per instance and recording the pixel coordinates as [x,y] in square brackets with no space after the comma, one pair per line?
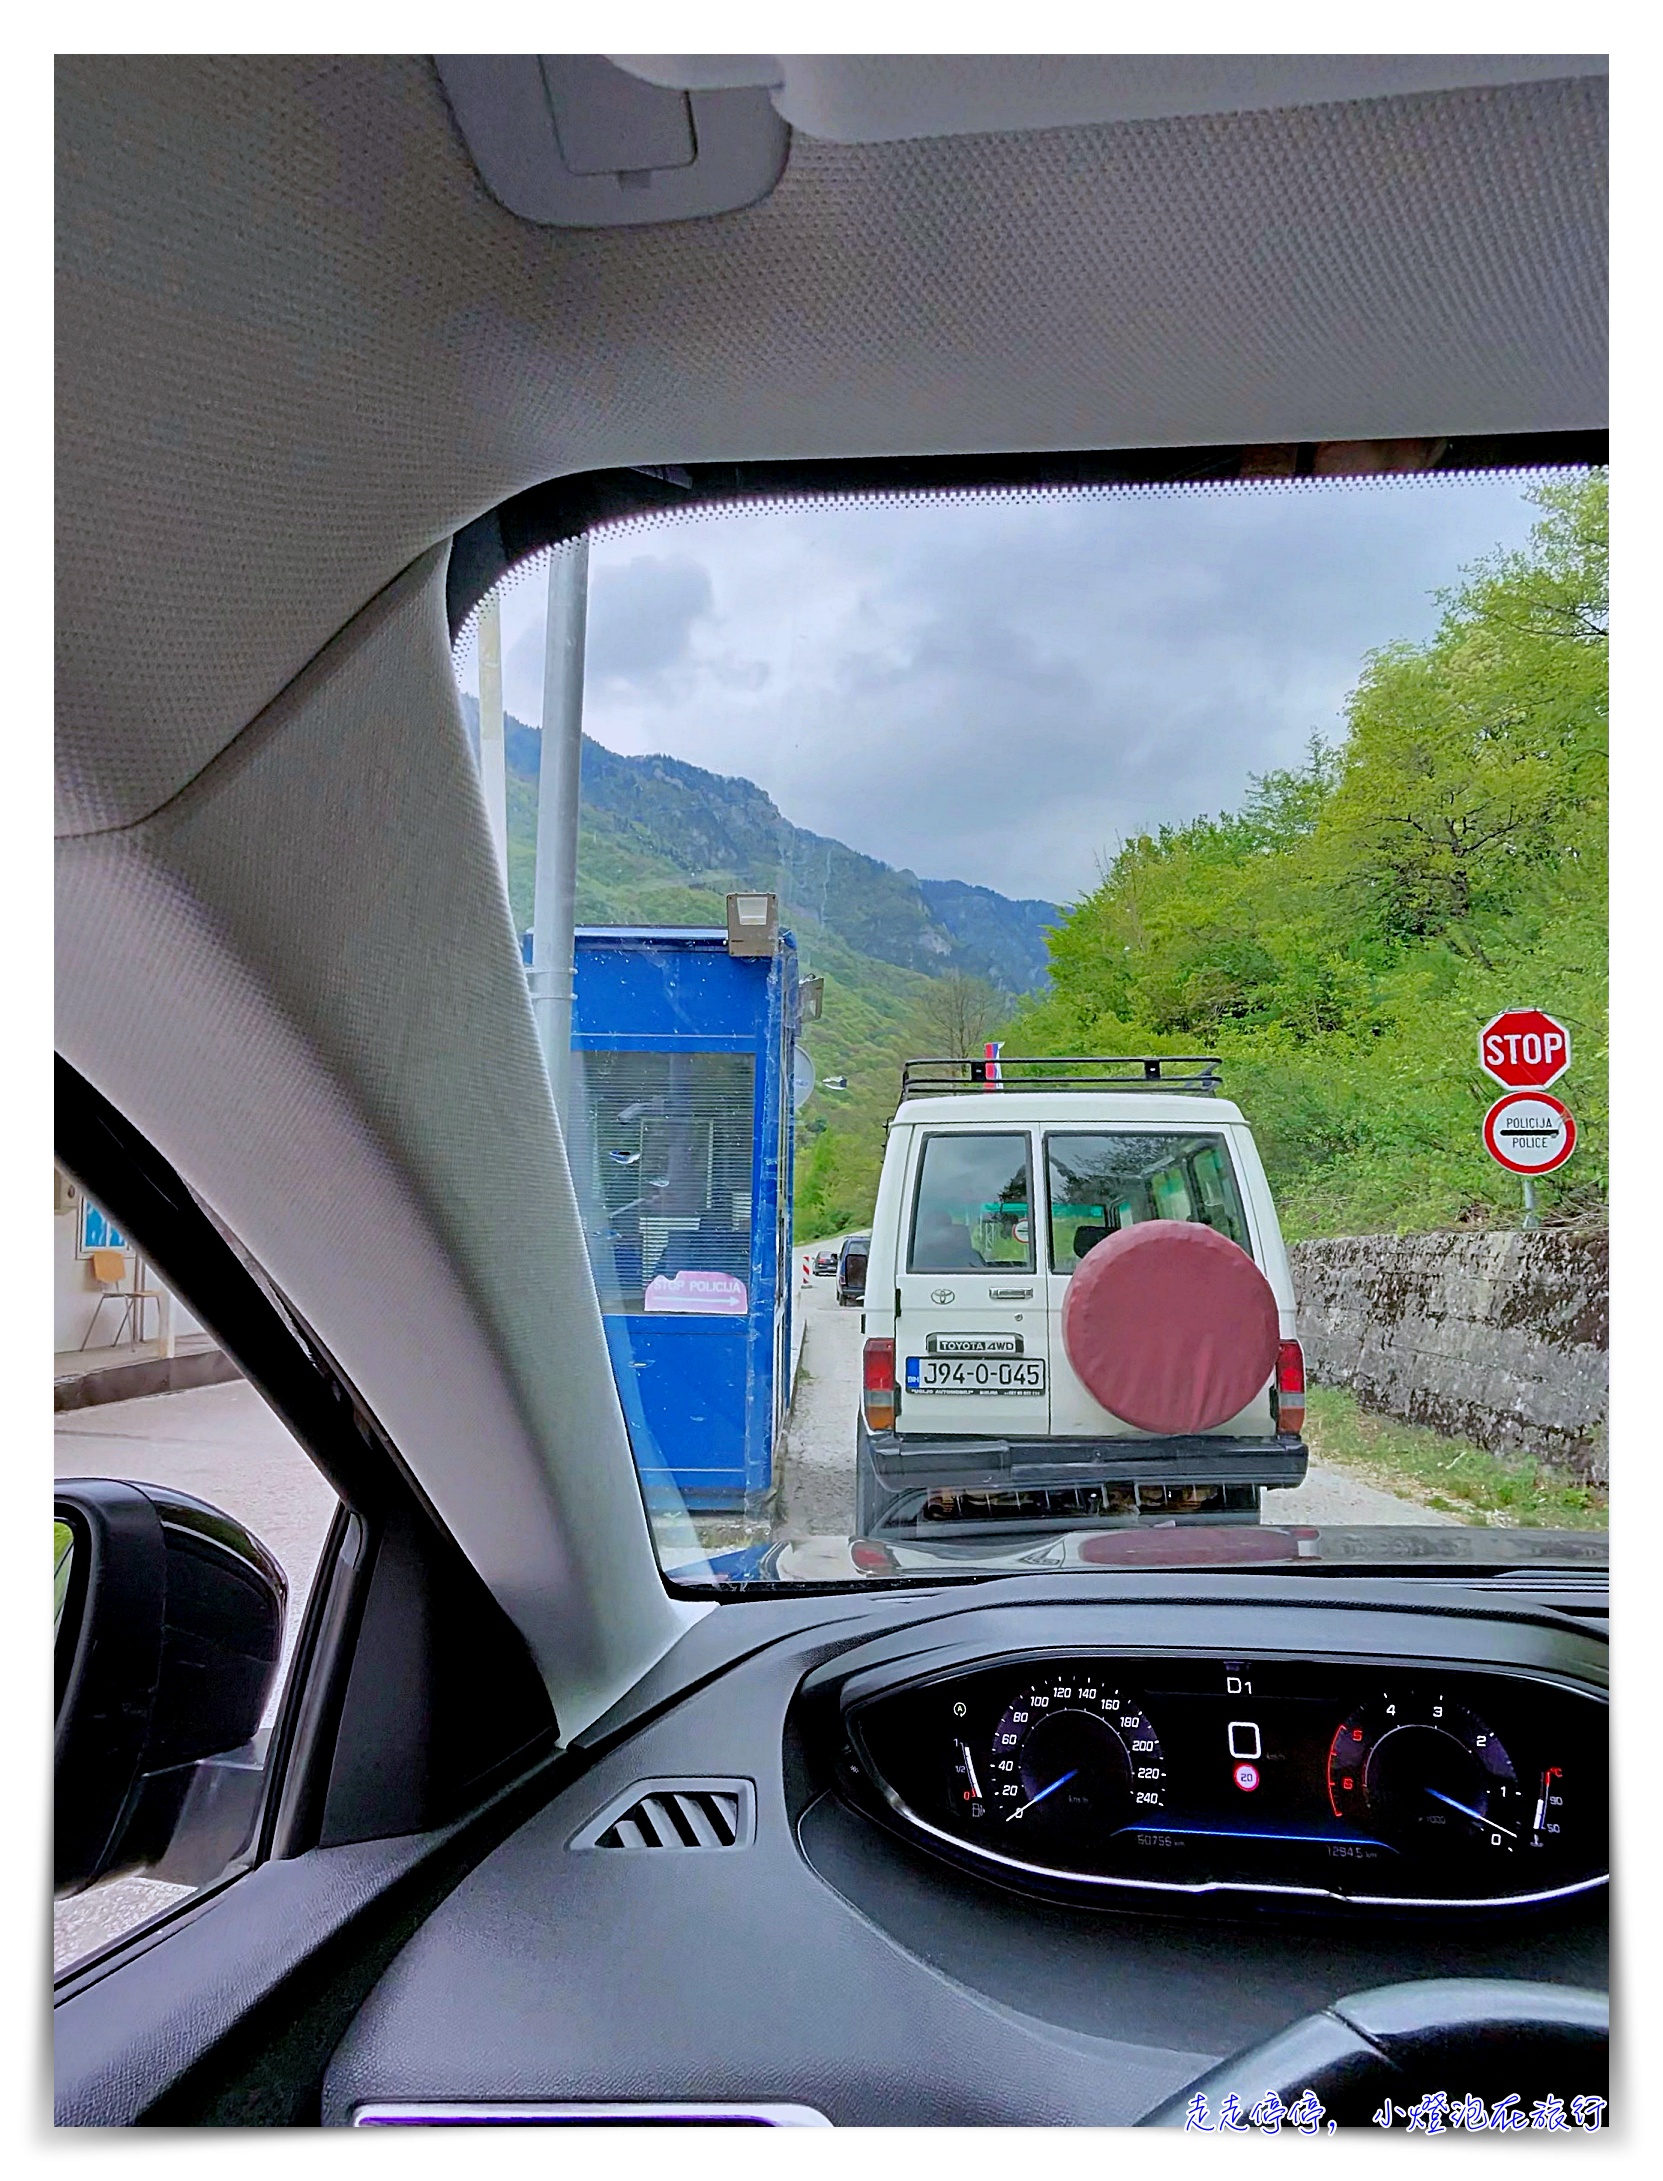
[1074,1072]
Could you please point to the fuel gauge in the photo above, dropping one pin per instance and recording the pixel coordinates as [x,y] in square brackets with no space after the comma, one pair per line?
[967,1780]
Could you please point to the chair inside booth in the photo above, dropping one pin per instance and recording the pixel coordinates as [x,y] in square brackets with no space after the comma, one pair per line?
[662,1160]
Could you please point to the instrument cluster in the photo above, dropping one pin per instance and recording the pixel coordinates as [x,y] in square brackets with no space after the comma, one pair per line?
[1279,1775]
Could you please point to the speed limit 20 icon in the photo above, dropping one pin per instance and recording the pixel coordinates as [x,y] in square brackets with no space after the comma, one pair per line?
[1529,1132]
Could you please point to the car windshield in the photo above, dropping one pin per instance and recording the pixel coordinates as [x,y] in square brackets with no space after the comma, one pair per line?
[1078,1015]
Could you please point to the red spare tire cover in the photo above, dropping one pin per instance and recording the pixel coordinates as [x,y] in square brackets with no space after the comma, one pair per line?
[1170,1326]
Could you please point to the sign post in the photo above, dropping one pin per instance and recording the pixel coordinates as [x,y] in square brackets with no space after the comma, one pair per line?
[1528,1133]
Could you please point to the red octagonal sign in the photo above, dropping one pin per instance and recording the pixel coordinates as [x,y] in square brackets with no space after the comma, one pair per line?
[1524,1048]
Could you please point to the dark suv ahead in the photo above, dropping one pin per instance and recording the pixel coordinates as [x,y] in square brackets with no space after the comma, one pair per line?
[851,1268]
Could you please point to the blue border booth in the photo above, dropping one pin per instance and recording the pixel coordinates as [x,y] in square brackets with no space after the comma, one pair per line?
[681,1151]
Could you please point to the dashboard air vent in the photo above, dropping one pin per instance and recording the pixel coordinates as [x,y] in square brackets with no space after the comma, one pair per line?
[675,1814]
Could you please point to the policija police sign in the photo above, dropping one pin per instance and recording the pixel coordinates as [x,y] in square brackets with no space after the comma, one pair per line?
[1527,1131]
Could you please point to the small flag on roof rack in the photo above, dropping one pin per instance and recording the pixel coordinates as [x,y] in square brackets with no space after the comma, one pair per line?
[986,1071]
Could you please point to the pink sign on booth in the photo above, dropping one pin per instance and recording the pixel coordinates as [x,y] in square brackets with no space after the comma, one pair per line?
[698,1294]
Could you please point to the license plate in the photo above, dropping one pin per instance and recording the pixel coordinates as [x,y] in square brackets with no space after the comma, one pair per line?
[975,1374]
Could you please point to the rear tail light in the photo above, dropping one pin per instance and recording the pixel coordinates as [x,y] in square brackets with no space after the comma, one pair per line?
[1290,1387]
[877,1383]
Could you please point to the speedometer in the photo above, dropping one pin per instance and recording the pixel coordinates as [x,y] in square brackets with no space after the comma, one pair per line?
[1073,1760]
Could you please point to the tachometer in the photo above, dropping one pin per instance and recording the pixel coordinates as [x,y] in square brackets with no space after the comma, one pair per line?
[1074,1758]
[1416,1768]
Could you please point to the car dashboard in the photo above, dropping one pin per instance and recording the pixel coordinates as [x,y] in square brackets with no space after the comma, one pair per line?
[1031,1851]
[1237,1769]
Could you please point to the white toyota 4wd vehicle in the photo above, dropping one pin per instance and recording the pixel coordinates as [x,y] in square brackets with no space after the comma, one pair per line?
[1078,1304]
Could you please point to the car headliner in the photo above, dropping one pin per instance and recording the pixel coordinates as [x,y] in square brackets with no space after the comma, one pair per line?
[299,343]
[300,346]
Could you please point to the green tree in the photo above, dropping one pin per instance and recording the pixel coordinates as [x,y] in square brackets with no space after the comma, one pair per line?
[955,1015]
[1340,937]
[1475,763]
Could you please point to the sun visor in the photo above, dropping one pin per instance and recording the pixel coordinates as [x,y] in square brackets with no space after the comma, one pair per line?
[569,140]
[887,98]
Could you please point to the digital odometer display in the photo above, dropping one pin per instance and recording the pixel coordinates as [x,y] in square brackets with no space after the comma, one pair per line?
[1309,1776]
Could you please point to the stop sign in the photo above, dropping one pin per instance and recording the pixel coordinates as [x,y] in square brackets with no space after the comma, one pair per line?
[1524,1048]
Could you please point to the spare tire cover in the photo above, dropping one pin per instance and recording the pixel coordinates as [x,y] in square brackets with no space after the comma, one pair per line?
[1170,1326]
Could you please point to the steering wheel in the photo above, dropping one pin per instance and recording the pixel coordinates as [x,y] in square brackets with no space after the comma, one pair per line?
[1467,2037]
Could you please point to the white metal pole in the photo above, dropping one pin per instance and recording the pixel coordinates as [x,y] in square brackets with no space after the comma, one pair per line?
[1530,1218]
[493,755]
[554,890]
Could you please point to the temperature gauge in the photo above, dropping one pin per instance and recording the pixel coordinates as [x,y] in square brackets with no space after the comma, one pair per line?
[1550,1802]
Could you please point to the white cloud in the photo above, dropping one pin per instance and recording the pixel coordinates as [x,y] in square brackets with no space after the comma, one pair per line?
[999,690]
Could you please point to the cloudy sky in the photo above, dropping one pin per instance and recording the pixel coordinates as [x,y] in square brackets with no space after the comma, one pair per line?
[1001,691]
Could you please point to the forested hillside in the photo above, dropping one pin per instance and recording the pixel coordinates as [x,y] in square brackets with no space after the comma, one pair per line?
[1340,938]
[656,833]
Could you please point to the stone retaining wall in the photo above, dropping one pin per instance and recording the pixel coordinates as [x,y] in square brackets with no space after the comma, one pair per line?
[1495,1337]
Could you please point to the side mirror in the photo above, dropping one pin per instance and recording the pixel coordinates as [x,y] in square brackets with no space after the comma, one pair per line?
[169,1631]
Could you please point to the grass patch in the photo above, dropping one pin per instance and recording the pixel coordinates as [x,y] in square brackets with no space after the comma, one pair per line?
[1452,1475]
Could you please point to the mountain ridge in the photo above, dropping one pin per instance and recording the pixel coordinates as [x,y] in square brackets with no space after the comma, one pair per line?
[661,826]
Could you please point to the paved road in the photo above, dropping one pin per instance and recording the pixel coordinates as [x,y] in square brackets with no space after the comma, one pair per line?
[222,1444]
[1329,1496]
[817,1491]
